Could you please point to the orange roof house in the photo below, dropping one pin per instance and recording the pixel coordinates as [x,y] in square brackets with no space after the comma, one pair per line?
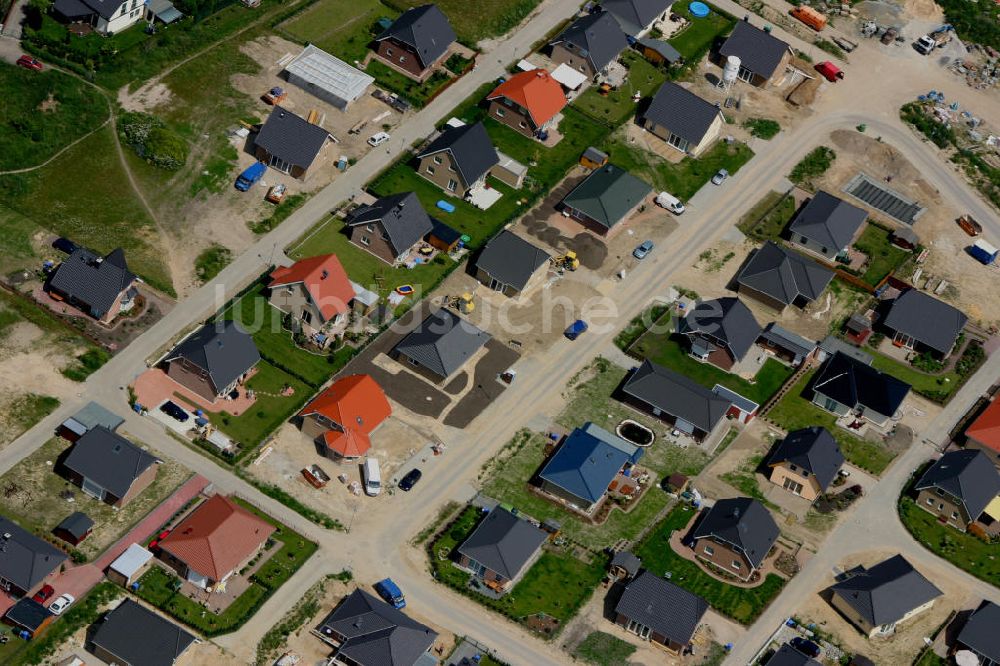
[215,540]
[344,416]
[527,101]
[322,280]
[984,433]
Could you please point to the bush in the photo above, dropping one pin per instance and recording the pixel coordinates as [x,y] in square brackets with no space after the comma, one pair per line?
[762,128]
[812,166]
[211,261]
[152,140]
[941,135]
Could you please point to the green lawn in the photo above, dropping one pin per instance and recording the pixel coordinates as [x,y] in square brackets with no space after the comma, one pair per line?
[741,604]
[769,217]
[603,649]
[684,178]
[24,411]
[793,412]
[617,106]
[963,550]
[883,256]
[344,28]
[697,39]
[418,93]
[943,384]
[42,113]
[669,351]
[491,18]
[16,250]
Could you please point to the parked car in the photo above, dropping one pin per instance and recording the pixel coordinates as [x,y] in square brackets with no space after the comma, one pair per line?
[410,480]
[44,594]
[61,604]
[575,329]
[644,249]
[29,62]
[719,177]
[805,646]
[390,592]
[174,411]
[378,139]
[65,245]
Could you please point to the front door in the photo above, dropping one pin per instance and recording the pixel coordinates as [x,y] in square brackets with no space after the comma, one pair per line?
[92,489]
[279,164]
[496,285]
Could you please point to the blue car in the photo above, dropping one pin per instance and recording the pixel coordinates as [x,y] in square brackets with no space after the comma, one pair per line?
[644,249]
[390,592]
[575,329]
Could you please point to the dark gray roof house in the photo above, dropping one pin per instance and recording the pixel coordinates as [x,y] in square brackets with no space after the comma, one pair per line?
[920,319]
[682,113]
[664,49]
[850,382]
[92,282]
[291,139]
[742,523]
[627,562]
[28,614]
[664,391]
[470,148]
[980,632]
[405,221]
[369,632]
[76,525]
[781,338]
[511,260]
[968,475]
[108,460]
[811,449]
[759,52]
[725,322]
[136,636]
[25,560]
[503,543]
[665,608]
[442,343]
[635,16]
[606,196]
[425,29]
[782,277]
[90,416]
[223,350]
[827,224]
[885,593]
[596,37]
[789,656]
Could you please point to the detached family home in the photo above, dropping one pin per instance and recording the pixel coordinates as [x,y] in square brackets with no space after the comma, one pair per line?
[315,292]
[685,121]
[636,17]
[459,159]
[605,199]
[806,462]
[778,277]
[720,332]
[213,360]
[132,635]
[877,599]
[501,549]
[343,417]
[416,42]
[440,346]
[827,225]
[289,143]
[89,417]
[959,487]
[25,560]
[984,433]
[844,385]
[589,44]
[675,399]
[366,631]
[74,528]
[659,611]
[107,16]
[735,535]
[109,467]
[214,541]
[511,265]
[99,286]
[789,656]
[527,102]
[980,634]
[920,322]
[390,227]
[763,57]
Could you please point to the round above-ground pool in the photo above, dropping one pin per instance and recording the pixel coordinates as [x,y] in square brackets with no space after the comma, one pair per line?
[698,9]
[635,432]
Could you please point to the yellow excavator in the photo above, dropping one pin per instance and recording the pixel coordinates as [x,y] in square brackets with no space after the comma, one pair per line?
[464,303]
[567,261]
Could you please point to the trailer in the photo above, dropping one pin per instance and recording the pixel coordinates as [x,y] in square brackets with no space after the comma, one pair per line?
[845,44]
[315,476]
[969,225]
[983,252]
[809,16]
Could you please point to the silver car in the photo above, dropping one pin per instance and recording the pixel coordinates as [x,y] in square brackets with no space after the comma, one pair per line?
[719,177]
[644,249]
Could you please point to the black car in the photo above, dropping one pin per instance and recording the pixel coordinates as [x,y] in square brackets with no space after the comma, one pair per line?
[806,647]
[410,480]
[65,245]
[174,411]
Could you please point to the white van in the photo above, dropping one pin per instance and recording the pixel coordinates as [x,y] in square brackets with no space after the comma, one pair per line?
[373,477]
[670,202]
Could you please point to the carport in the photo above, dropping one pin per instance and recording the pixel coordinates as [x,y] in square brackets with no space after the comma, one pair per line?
[163,10]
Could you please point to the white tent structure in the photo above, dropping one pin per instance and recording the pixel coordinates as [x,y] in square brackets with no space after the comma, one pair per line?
[327,77]
[569,77]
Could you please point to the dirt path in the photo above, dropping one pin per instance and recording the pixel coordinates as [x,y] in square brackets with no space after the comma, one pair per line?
[60,152]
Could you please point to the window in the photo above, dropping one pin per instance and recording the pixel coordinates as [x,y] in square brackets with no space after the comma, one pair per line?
[954,515]
[737,564]
[430,169]
[523,125]
[709,551]
[369,227]
[307,316]
[365,240]
[500,112]
[638,629]
[803,239]
[794,468]
[124,8]
[388,52]
[437,159]
[402,59]
[939,492]
[412,361]
[830,405]
[930,501]
[677,142]
[452,185]
[792,486]
[824,250]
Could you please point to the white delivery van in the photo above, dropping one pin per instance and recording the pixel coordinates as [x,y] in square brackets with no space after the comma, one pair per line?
[373,477]
[670,202]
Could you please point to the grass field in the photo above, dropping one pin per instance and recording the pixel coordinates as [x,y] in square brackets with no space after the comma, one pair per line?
[741,604]
[883,256]
[341,27]
[943,384]
[603,649]
[769,217]
[697,39]
[617,106]
[42,113]
[491,18]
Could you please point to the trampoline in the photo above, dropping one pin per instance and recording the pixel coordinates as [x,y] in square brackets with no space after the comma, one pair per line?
[698,9]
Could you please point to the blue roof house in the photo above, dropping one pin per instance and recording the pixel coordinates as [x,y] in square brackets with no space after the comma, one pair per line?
[581,470]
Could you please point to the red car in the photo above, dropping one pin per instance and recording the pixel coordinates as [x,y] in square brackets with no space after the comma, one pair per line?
[29,62]
[829,71]
[44,594]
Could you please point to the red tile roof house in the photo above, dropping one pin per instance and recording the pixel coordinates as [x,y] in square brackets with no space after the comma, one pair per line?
[342,418]
[528,102]
[214,541]
[984,433]
[315,292]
